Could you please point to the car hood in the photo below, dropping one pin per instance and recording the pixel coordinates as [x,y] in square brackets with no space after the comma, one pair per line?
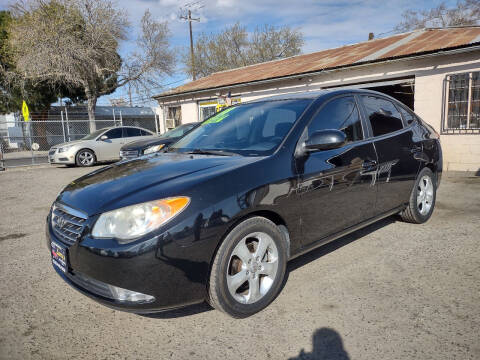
[140,144]
[129,182]
[74,142]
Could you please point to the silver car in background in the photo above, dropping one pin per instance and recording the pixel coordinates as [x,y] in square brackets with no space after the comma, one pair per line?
[101,145]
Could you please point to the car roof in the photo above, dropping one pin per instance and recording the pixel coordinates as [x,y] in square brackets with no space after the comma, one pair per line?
[124,126]
[313,95]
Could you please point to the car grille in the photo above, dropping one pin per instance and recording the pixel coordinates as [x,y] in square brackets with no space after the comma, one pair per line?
[52,151]
[67,223]
[128,154]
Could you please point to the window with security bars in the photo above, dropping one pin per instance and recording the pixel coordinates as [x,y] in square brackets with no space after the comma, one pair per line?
[462,104]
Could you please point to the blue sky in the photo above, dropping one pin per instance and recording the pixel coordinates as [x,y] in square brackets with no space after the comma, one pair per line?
[325,24]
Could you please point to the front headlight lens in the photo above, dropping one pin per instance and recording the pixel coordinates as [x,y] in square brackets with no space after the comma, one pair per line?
[153,149]
[134,221]
[64,149]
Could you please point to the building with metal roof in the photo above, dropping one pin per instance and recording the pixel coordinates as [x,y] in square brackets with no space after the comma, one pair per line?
[434,71]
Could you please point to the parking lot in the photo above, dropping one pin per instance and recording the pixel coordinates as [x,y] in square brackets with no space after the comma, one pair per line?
[390,291]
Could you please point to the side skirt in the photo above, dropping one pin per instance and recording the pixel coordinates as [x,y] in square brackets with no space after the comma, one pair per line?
[347,231]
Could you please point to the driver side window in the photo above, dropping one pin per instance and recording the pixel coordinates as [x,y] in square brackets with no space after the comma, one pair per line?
[114,133]
[339,114]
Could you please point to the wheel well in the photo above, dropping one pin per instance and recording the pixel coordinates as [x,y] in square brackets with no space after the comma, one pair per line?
[270,215]
[434,170]
[431,167]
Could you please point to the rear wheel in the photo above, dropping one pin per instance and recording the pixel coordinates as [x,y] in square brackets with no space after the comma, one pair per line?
[248,270]
[85,157]
[422,199]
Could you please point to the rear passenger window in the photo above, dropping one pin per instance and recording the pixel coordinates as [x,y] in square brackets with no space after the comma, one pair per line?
[339,114]
[145,133]
[130,132]
[408,117]
[383,115]
[114,133]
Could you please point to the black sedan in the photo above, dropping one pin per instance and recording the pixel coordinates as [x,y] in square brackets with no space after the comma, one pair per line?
[149,146]
[218,215]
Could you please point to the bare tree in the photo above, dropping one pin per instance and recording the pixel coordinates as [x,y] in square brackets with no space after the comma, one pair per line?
[75,42]
[467,12]
[233,48]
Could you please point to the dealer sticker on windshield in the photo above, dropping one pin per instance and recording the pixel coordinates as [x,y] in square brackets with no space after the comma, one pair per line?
[59,256]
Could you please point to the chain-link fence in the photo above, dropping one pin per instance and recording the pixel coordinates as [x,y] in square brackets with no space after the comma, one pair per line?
[27,143]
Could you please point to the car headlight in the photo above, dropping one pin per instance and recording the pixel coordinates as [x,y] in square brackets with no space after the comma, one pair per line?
[131,222]
[153,149]
[64,148]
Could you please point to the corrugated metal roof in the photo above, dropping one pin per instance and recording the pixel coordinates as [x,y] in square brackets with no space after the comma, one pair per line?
[401,45]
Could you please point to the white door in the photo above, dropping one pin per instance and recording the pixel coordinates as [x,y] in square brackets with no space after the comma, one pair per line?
[109,148]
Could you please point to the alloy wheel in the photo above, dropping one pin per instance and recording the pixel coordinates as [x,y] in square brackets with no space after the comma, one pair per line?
[86,158]
[252,268]
[424,195]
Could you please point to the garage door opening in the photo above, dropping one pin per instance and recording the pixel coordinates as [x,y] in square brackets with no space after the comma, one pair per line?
[401,89]
[403,92]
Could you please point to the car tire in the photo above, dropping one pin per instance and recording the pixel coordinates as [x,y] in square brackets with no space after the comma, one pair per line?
[249,267]
[85,158]
[422,198]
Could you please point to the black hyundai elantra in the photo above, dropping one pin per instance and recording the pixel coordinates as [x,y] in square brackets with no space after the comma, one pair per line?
[218,215]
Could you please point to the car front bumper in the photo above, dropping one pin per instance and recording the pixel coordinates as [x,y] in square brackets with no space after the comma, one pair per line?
[129,154]
[157,267]
[67,157]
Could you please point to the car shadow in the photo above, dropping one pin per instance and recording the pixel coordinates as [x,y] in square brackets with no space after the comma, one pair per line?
[291,266]
[327,344]
[326,249]
[338,243]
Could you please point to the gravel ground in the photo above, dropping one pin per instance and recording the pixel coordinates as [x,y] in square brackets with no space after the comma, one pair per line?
[390,291]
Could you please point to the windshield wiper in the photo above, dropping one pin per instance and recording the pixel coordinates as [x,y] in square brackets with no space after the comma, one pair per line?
[211,152]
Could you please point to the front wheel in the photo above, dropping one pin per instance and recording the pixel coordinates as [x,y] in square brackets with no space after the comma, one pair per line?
[85,157]
[422,198]
[248,270]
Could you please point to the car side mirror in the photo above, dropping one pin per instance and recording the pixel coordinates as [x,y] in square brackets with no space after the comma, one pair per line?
[325,140]
[104,137]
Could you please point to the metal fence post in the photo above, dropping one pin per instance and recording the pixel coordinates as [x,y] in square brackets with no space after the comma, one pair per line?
[2,163]
[31,143]
[63,127]
[156,121]
[68,126]
[121,119]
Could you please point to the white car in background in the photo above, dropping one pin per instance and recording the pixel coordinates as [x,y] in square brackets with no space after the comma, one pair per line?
[101,145]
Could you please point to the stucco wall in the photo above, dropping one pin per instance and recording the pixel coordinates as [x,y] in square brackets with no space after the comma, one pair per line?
[189,112]
[460,152]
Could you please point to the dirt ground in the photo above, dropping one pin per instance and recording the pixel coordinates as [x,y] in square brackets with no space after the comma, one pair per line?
[389,291]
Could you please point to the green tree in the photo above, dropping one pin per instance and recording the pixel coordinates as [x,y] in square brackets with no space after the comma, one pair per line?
[75,43]
[233,47]
[14,89]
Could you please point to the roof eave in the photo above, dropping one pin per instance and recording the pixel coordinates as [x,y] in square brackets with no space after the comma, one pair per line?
[446,51]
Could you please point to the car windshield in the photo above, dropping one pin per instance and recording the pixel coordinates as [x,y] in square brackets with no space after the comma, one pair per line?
[250,129]
[93,135]
[178,131]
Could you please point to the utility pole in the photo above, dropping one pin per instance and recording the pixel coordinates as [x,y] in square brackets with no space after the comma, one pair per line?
[130,94]
[188,17]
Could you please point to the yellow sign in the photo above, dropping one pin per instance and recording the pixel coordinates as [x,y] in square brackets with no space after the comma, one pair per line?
[25,112]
